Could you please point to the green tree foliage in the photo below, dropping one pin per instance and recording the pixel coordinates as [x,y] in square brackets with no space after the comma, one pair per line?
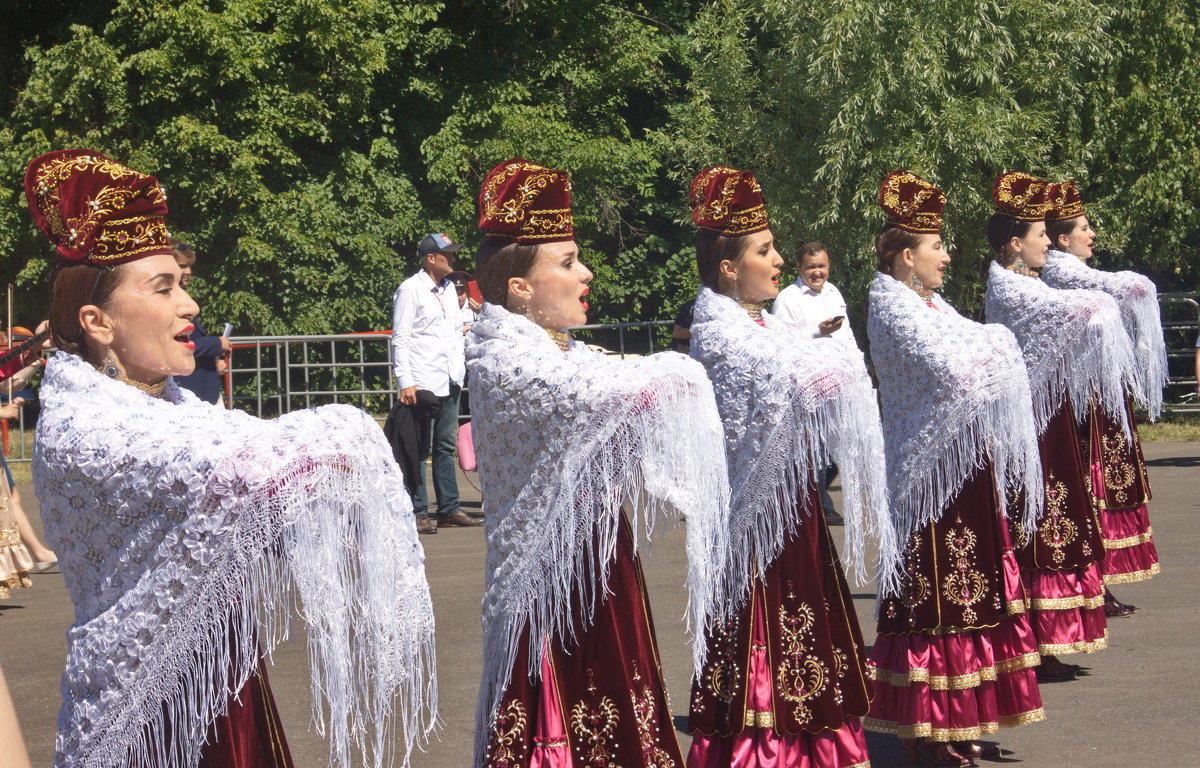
[832,95]
[307,146]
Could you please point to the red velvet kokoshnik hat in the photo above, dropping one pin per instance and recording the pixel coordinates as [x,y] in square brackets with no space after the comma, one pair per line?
[911,203]
[95,210]
[1064,201]
[526,203]
[1020,196]
[728,202]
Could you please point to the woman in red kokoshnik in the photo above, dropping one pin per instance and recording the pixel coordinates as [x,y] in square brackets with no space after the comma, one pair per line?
[1120,485]
[955,653]
[578,453]
[785,683]
[186,533]
[1076,352]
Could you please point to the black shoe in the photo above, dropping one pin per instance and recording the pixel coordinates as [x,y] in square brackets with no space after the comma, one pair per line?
[833,518]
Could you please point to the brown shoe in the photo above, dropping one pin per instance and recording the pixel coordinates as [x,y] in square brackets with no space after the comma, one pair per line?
[425,525]
[461,519]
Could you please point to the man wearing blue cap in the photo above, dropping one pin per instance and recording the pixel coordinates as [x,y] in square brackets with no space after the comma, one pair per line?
[427,354]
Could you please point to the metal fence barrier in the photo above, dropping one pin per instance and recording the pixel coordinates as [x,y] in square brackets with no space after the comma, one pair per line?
[1181,329]
[273,375]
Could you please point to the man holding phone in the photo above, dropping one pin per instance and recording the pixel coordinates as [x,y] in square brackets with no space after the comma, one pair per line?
[813,305]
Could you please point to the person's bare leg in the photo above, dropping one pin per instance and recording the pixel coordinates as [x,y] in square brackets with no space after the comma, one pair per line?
[41,553]
[13,755]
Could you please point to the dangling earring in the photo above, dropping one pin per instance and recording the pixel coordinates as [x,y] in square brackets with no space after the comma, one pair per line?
[915,282]
[110,367]
[737,296]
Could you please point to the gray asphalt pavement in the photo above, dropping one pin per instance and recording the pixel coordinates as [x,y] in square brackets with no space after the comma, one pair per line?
[1136,707]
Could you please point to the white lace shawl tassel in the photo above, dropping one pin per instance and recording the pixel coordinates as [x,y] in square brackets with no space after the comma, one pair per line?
[953,393]
[1137,297]
[1072,341]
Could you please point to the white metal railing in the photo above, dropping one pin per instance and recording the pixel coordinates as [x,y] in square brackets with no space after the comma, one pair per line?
[271,375]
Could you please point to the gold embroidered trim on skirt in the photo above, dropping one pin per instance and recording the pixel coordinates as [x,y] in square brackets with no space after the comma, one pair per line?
[1014,607]
[19,580]
[927,731]
[550,741]
[1080,646]
[759,718]
[1025,718]
[952,630]
[1066,603]
[863,764]
[1018,663]
[1128,578]
[935,682]
[1130,541]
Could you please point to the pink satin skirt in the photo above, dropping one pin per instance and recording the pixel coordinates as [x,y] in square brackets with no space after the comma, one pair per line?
[760,746]
[957,686]
[1129,543]
[550,747]
[1066,609]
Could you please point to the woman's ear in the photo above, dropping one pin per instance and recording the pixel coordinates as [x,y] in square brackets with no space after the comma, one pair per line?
[906,258]
[97,324]
[1014,245]
[519,288]
[727,270]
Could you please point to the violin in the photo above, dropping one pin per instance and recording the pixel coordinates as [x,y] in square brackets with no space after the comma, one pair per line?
[23,350]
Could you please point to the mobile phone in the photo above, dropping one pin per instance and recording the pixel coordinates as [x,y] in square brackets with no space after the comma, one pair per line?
[839,318]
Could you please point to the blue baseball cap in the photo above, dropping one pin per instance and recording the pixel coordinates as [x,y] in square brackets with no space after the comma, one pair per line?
[437,243]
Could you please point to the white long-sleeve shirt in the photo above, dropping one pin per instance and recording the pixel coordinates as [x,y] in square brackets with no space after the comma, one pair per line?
[804,309]
[427,339]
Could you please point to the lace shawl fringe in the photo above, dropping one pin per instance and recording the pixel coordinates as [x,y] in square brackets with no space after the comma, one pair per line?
[651,444]
[1137,298]
[823,410]
[1072,341]
[941,423]
[315,528]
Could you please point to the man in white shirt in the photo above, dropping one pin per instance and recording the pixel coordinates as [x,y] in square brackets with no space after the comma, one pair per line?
[427,354]
[815,308]
[813,305]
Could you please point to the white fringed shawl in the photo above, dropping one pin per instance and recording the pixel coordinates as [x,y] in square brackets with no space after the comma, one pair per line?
[790,407]
[563,439]
[953,393]
[1137,298]
[1073,343]
[186,533]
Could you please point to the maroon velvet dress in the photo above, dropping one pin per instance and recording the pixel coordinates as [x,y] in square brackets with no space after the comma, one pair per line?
[955,654]
[601,701]
[1060,559]
[1121,491]
[249,734]
[785,682]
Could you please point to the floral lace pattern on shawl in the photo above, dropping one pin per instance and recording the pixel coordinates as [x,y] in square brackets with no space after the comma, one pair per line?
[952,392]
[564,440]
[185,534]
[1073,343]
[1137,299]
[790,407]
